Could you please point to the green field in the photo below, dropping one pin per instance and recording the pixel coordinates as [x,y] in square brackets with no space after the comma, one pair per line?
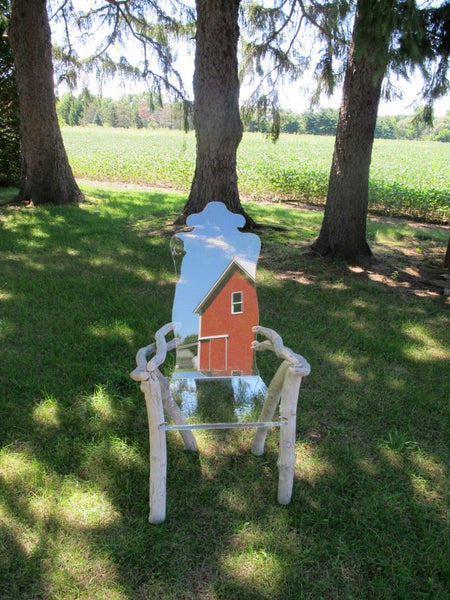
[408,178]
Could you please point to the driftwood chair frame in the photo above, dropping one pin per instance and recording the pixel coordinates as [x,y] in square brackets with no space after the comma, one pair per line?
[283,391]
[202,309]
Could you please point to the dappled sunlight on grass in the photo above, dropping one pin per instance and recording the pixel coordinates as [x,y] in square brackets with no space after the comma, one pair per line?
[4,294]
[334,285]
[310,466]
[99,457]
[165,278]
[45,516]
[258,570]
[259,554]
[102,261]
[429,467]
[7,328]
[427,477]
[78,570]
[105,200]
[359,303]
[233,500]
[46,413]
[392,457]
[369,466]
[368,509]
[100,405]
[351,367]
[397,383]
[19,467]
[297,276]
[23,533]
[115,328]
[83,507]
[401,232]
[422,346]
[44,495]
[425,493]
[31,264]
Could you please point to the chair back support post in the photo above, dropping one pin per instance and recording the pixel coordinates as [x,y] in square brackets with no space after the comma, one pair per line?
[271,402]
[288,413]
[158,452]
[174,411]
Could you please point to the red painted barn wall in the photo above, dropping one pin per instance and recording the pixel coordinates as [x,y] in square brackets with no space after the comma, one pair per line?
[212,355]
[219,320]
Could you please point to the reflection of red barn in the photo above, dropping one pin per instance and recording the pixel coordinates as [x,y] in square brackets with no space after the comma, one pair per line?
[227,314]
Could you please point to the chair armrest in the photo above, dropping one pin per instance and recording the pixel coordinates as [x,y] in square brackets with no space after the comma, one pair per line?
[275,343]
[145,367]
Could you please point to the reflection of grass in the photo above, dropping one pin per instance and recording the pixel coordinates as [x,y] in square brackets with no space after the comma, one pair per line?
[81,291]
[212,399]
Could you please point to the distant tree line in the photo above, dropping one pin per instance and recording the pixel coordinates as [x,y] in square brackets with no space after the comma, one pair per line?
[145,111]
[324,122]
[131,110]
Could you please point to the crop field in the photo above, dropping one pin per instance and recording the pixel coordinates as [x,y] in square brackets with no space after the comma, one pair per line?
[408,178]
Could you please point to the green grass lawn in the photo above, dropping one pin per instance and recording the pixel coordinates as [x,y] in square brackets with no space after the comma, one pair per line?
[407,178]
[82,288]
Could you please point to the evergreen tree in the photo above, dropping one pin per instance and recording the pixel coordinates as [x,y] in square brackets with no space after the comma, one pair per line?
[10,159]
[75,112]
[63,107]
[97,119]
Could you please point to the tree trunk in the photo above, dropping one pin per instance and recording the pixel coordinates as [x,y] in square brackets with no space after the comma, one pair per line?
[217,121]
[343,231]
[46,174]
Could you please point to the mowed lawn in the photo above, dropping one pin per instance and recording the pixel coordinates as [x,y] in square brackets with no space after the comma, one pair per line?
[407,179]
[82,288]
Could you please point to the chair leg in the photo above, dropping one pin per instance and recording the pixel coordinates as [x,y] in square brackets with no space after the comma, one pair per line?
[270,405]
[288,413]
[174,411]
[158,451]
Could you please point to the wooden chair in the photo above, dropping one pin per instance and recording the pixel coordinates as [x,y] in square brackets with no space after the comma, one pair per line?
[215,322]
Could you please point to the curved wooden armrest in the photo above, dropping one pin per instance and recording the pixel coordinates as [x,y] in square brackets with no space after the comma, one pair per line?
[275,343]
[144,367]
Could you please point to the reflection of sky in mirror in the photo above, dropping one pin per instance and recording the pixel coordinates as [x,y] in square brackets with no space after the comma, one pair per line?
[208,249]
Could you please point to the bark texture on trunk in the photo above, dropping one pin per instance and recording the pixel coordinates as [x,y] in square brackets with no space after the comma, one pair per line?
[343,232]
[217,121]
[46,174]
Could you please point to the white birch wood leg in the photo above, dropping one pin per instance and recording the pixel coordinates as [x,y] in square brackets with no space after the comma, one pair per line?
[158,451]
[270,405]
[288,414]
[289,376]
[174,411]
